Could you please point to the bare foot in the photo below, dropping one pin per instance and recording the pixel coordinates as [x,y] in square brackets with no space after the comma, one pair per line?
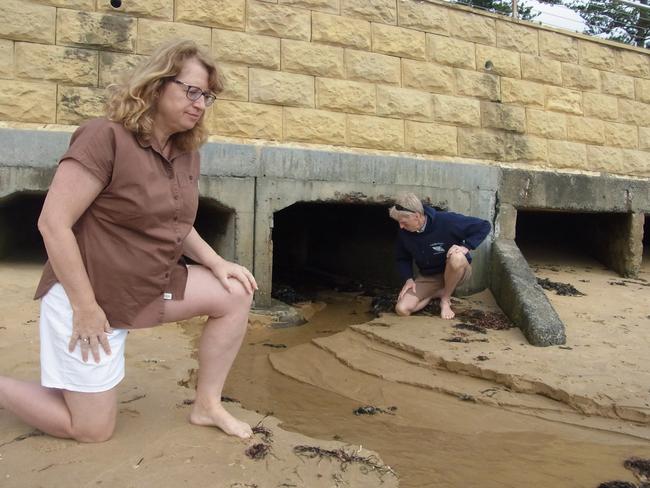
[445,309]
[218,416]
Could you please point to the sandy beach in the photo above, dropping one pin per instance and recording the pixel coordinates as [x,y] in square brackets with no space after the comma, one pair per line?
[489,411]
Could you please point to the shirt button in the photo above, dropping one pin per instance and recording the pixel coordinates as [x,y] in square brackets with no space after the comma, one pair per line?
[166,275]
[178,239]
[175,197]
[175,218]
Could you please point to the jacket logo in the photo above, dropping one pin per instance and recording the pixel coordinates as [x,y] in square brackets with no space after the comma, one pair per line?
[437,247]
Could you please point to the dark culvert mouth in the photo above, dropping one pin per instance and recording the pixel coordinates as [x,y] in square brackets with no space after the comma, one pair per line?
[571,234]
[337,246]
[216,224]
[19,235]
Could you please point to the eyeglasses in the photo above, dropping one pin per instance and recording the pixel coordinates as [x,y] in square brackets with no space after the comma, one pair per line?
[403,209]
[194,93]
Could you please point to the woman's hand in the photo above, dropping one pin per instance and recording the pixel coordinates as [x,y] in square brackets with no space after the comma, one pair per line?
[89,329]
[224,270]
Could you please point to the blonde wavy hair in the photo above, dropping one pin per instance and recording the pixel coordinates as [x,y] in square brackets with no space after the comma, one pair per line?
[132,102]
[408,201]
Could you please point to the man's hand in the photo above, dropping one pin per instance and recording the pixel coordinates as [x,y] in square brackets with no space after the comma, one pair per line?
[224,270]
[457,249]
[89,329]
[409,285]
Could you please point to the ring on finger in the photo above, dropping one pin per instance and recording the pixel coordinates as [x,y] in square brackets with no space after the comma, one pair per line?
[85,339]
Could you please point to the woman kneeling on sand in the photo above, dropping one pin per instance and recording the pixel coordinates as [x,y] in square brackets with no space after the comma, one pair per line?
[117,221]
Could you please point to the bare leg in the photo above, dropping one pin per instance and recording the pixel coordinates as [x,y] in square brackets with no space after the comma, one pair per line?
[454,271]
[410,304]
[86,417]
[220,342]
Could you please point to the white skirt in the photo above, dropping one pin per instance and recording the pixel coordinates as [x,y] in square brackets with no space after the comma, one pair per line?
[66,370]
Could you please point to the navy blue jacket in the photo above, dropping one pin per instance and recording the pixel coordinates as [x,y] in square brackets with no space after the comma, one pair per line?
[429,248]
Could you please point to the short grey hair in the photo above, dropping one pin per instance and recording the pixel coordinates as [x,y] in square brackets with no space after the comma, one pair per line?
[409,201]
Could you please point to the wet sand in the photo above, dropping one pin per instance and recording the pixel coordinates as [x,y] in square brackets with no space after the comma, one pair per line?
[445,432]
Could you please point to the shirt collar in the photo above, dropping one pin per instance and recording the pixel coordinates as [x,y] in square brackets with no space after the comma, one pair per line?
[153,144]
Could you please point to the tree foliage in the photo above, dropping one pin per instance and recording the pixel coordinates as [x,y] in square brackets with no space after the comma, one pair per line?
[524,12]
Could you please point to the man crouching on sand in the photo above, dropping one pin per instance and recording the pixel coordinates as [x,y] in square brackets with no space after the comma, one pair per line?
[439,243]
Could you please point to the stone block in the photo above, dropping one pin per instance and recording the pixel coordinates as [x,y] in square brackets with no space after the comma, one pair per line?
[429,138]
[479,85]
[78,104]
[546,124]
[242,119]
[404,103]
[346,96]
[563,100]
[375,132]
[278,21]
[632,112]
[312,59]
[96,30]
[642,90]
[235,80]
[621,135]
[635,163]
[600,106]
[472,27]
[563,154]
[498,61]
[155,9]
[314,126]
[481,143]
[544,70]
[228,14]
[585,129]
[517,292]
[398,41]
[506,222]
[644,138]
[114,66]
[26,101]
[517,37]
[427,76]
[248,49]
[580,77]
[332,6]
[452,52]
[619,85]
[153,33]
[602,158]
[526,149]
[6,58]
[278,88]
[26,21]
[56,63]
[523,92]
[558,46]
[342,31]
[372,67]
[73,4]
[456,110]
[384,11]
[500,116]
[424,16]
[633,63]
[597,55]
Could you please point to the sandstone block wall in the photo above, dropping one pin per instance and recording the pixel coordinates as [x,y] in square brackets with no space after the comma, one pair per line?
[417,76]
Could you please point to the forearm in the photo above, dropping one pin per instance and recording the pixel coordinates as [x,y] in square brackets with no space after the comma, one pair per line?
[65,259]
[195,248]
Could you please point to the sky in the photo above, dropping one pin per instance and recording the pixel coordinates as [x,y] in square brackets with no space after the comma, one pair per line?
[556,16]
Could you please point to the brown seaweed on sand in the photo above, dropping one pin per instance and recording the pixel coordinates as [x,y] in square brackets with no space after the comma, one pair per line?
[264,433]
[258,451]
[640,468]
[370,410]
[486,320]
[564,289]
[346,458]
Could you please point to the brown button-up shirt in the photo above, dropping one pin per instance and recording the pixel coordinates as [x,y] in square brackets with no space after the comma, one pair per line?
[131,236]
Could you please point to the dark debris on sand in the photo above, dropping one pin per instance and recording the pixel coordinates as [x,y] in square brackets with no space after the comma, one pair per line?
[617,484]
[640,467]
[258,451]
[563,289]
[371,410]
[470,327]
[264,433]
[485,320]
[344,457]
[287,294]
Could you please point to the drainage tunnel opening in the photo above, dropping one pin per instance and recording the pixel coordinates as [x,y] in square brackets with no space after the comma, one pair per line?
[19,235]
[556,234]
[348,247]
[646,238]
[216,224]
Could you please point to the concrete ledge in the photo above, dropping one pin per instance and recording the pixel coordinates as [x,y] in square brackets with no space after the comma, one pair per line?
[516,291]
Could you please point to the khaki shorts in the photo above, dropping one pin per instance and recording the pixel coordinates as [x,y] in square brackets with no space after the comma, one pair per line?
[427,286]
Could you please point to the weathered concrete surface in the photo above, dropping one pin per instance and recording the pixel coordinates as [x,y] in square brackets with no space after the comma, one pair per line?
[515,289]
